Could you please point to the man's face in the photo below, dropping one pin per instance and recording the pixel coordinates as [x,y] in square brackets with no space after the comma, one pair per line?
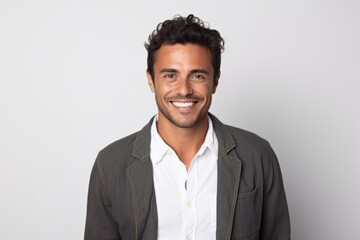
[183,84]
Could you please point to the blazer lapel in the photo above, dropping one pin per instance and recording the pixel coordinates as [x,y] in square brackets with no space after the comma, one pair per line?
[140,175]
[229,172]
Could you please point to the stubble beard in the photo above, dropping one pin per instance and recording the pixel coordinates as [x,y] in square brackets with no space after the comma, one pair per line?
[201,115]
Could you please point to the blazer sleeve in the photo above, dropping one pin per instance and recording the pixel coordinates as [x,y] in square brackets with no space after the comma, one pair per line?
[275,224]
[100,224]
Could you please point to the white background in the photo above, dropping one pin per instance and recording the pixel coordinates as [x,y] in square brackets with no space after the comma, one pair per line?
[72,77]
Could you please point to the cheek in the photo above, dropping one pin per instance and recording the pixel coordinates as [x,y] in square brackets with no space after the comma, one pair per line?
[163,89]
[161,93]
[206,90]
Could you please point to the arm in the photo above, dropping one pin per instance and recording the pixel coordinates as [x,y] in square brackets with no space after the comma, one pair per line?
[275,224]
[100,224]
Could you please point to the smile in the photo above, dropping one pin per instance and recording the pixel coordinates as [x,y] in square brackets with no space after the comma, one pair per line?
[183,104]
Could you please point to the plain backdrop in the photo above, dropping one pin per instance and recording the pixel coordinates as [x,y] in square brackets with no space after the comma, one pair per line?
[72,80]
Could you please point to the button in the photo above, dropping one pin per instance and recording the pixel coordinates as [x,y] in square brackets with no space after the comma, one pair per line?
[188,237]
[189,204]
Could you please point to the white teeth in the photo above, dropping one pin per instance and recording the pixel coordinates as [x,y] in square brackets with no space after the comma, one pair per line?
[183,104]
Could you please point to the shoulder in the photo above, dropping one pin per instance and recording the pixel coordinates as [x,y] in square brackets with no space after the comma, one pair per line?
[117,154]
[119,147]
[247,140]
[231,137]
[123,152]
[254,151]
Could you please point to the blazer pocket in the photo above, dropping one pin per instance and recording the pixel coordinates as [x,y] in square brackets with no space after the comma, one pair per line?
[247,215]
[240,195]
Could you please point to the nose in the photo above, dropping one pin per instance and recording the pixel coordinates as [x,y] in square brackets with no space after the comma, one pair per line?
[184,87]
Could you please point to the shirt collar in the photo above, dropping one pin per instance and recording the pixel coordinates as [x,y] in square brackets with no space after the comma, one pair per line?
[210,141]
[158,148]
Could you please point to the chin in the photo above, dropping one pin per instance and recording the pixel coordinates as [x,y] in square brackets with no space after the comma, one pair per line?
[190,123]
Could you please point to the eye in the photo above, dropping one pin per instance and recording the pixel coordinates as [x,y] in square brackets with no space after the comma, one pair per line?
[169,75]
[198,76]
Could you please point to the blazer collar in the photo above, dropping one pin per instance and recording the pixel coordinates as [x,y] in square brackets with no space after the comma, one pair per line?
[142,142]
[226,141]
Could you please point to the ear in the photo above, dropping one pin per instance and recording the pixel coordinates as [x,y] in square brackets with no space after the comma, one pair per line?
[150,81]
[216,81]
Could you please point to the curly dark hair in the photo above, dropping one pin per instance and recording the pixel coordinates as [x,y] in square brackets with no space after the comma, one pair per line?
[183,30]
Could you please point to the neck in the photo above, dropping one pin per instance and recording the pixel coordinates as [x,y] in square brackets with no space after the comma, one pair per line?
[186,142]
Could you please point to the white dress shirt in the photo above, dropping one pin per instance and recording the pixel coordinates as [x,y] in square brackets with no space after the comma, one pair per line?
[186,200]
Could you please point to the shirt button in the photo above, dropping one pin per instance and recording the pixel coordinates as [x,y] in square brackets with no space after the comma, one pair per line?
[188,237]
[189,205]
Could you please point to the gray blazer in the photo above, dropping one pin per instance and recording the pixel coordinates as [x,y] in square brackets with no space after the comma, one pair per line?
[251,202]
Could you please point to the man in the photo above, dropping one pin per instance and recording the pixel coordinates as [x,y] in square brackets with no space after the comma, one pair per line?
[186,175]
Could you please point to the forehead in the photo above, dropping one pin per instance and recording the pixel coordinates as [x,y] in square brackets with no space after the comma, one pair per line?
[183,55]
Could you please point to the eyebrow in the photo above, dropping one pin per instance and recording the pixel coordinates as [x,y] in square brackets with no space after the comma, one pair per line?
[172,70]
[199,71]
[168,70]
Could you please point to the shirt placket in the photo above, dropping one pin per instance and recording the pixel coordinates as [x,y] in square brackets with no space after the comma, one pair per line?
[190,203]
